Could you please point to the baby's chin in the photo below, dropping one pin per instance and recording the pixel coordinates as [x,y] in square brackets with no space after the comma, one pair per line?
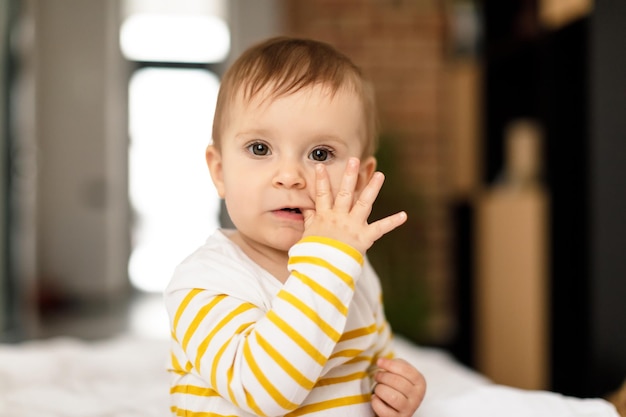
[280,240]
[284,239]
[286,242]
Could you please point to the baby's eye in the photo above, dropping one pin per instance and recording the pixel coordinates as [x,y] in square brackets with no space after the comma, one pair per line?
[321,154]
[259,149]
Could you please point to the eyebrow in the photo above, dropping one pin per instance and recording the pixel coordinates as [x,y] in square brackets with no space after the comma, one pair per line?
[253,132]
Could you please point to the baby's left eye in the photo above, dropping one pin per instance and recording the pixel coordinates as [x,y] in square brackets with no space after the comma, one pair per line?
[321,154]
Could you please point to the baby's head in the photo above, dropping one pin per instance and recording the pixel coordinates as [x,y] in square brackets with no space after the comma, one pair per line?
[284,66]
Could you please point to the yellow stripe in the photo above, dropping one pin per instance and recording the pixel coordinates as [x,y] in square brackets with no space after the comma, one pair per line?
[324,264]
[202,313]
[326,405]
[322,292]
[220,352]
[181,373]
[193,390]
[346,353]
[297,337]
[253,405]
[183,306]
[175,364]
[357,359]
[181,412]
[266,383]
[340,379]
[347,249]
[229,377]
[204,345]
[353,334]
[291,370]
[384,328]
[177,368]
[311,314]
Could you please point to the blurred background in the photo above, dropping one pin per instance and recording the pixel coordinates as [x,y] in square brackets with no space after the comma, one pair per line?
[502,136]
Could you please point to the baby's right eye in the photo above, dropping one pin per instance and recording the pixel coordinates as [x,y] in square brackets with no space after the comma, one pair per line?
[259,149]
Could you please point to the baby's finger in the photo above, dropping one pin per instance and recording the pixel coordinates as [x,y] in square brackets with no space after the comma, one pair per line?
[385,225]
[402,391]
[401,367]
[381,408]
[345,197]
[392,398]
[363,205]
[323,194]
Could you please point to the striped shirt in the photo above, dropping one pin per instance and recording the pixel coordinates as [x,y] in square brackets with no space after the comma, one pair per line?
[243,344]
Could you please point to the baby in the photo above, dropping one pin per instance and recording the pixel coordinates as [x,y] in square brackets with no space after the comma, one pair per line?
[283,315]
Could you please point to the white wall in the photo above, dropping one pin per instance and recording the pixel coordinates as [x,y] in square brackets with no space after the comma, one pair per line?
[251,21]
[80,118]
[3,191]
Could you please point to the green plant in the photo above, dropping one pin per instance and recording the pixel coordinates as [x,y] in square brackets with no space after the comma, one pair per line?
[399,257]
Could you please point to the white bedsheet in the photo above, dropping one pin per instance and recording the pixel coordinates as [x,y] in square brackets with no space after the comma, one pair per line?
[455,391]
[125,377]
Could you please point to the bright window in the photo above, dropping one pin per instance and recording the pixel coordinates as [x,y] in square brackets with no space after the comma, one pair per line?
[172,93]
[175,204]
[183,38]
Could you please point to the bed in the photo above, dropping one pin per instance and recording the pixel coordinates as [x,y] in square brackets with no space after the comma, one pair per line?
[125,376]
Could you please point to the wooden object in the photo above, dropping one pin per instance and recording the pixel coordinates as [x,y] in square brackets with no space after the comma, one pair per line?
[512,291]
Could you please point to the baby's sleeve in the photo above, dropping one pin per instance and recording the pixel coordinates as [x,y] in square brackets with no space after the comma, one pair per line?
[267,361]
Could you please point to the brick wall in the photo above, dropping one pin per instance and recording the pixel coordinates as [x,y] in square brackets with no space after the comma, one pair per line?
[399,44]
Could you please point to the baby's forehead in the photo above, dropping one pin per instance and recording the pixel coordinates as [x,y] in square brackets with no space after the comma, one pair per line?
[271,92]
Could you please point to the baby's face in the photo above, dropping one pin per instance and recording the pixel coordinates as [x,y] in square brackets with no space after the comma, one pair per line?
[269,148]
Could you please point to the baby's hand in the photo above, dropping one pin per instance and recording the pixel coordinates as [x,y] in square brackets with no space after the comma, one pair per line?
[343,218]
[400,388]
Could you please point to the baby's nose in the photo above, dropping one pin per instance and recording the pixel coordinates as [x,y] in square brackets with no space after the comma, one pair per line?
[290,175]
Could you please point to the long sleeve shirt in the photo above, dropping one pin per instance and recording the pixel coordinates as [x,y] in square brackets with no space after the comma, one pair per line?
[244,344]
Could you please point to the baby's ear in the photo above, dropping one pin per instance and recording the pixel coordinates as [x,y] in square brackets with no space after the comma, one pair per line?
[366,170]
[214,162]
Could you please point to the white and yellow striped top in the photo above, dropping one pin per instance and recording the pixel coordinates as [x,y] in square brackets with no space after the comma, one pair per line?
[243,344]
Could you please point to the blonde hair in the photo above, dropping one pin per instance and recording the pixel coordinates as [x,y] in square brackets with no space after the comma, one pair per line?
[287,65]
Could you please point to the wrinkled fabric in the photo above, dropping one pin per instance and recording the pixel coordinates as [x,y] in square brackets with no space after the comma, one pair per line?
[125,377]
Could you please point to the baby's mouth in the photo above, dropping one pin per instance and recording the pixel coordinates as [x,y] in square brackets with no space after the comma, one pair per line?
[291,210]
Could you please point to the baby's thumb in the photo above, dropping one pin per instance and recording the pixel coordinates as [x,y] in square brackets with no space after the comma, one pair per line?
[309,215]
